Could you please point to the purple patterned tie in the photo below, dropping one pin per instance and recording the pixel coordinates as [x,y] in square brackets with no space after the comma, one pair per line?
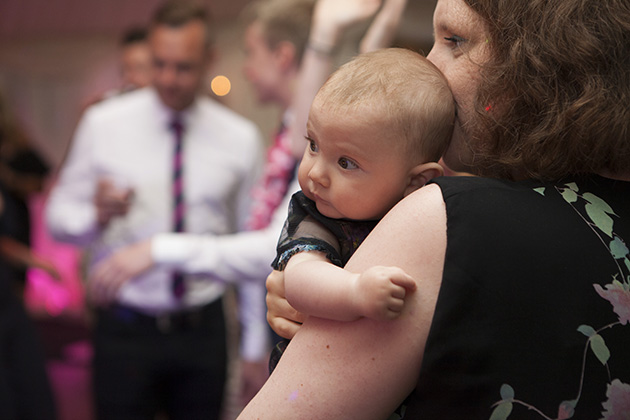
[179,208]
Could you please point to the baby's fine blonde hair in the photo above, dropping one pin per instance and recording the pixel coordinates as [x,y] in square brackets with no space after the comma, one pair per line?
[407,92]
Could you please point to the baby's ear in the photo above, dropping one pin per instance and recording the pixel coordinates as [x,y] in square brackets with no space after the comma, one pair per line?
[421,174]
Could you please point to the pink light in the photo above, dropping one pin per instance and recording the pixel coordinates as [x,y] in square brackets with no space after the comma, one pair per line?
[43,293]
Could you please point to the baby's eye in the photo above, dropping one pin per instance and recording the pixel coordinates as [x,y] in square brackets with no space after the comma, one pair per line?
[346,163]
[311,144]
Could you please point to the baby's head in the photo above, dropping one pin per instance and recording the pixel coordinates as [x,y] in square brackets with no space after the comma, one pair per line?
[376,130]
[402,92]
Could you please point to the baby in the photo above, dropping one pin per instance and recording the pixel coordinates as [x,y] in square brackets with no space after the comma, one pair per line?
[375,132]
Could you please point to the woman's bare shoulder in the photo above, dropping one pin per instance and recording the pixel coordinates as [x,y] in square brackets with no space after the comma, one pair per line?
[416,226]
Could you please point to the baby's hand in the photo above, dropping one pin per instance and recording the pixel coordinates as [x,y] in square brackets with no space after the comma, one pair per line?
[380,292]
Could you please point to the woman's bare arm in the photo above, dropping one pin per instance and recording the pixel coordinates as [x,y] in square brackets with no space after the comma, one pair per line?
[381,32]
[364,369]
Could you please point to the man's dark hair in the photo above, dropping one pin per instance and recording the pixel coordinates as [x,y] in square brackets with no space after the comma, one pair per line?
[133,35]
[176,13]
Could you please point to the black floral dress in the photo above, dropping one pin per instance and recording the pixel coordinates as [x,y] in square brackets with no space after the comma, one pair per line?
[532,319]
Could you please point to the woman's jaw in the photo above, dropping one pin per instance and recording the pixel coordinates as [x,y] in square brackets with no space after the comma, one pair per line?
[458,157]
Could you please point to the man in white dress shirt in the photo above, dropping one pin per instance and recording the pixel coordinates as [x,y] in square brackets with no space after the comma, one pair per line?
[275,40]
[157,350]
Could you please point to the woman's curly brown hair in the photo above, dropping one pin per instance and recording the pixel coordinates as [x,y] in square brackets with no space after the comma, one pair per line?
[558,86]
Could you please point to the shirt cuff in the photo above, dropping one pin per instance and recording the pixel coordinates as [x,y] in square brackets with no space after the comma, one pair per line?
[173,248]
[255,344]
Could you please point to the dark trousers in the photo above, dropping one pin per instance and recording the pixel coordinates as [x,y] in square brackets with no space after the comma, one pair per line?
[25,392]
[143,365]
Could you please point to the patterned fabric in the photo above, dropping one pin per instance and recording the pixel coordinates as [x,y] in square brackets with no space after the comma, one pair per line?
[179,208]
[308,230]
[598,214]
[277,175]
[532,317]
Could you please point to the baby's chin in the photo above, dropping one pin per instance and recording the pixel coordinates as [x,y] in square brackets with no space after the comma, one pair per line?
[326,210]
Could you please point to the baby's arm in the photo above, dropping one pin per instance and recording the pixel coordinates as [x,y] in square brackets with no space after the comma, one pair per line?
[314,286]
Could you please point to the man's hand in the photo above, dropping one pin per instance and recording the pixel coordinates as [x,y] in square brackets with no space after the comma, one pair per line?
[47,266]
[380,292]
[281,316]
[110,274]
[111,201]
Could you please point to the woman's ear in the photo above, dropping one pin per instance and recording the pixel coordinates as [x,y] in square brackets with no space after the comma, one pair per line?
[421,174]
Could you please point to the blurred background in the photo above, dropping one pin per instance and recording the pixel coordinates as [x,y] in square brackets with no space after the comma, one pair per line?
[56,56]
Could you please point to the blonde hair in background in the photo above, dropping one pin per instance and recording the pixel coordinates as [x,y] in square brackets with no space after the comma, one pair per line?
[282,20]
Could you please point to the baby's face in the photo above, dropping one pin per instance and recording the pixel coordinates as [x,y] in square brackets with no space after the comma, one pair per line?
[350,167]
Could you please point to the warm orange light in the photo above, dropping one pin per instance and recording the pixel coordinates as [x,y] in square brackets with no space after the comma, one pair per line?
[221,85]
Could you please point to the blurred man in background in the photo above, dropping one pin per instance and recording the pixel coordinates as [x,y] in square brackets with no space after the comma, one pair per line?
[135,59]
[160,159]
[274,41]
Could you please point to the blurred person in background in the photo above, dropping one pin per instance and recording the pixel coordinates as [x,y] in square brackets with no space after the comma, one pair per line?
[165,158]
[25,391]
[135,59]
[134,63]
[23,173]
[275,40]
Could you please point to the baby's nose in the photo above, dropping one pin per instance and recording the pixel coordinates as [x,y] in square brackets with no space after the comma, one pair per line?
[318,174]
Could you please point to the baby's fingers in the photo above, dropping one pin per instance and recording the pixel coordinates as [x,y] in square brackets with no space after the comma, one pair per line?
[397,292]
[282,326]
[404,280]
[396,306]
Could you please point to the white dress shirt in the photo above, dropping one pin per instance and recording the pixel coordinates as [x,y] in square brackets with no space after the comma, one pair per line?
[243,257]
[240,257]
[127,139]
